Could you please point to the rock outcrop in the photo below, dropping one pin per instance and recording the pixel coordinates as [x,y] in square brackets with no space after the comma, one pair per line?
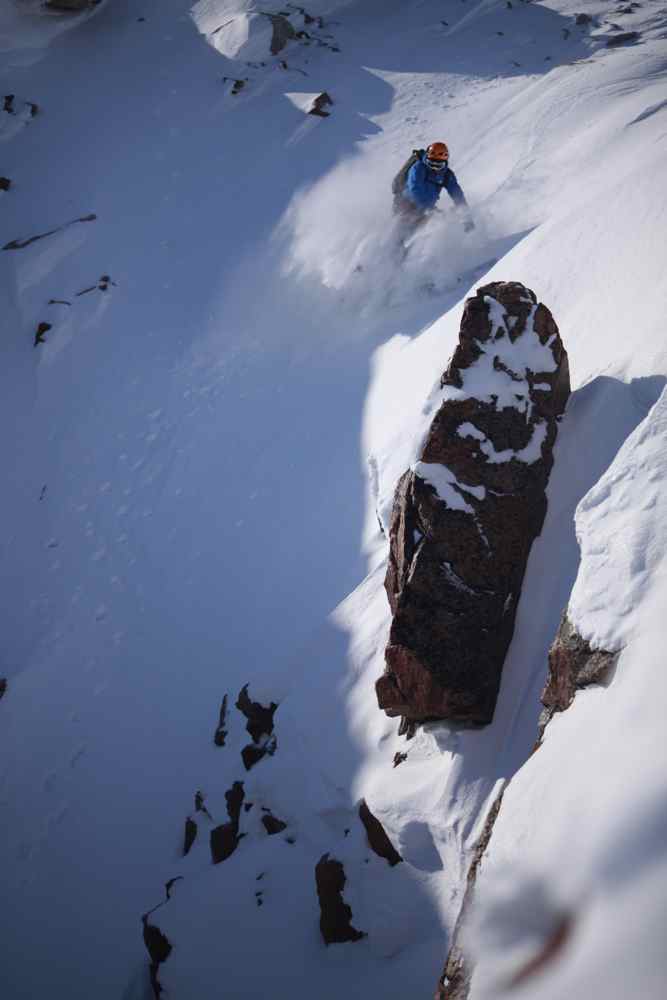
[466,514]
[377,836]
[625,38]
[220,734]
[282,32]
[159,948]
[272,824]
[573,664]
[320,104]
[260,726]
[225,838]
[335,914]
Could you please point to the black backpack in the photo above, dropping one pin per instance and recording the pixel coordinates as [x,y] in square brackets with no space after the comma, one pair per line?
[399,181]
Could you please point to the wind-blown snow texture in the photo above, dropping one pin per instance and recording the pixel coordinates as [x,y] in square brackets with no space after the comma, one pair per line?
[232,348]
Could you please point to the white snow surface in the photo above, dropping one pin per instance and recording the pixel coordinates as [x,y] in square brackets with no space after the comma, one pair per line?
[622,532]
[198,454]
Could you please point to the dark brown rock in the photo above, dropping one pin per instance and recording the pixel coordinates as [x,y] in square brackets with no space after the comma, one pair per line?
[260,726]
[225,838]
[272,824]
[234,798]
[335,914]
[253,752]
[199,804]
[224,841]
[3,686]
[320,104]
[259,717]
[22,244]
[573,664]
[237,85]
[159,950]
[377,836]
[220,734]
[39,333]
[458,556]
[190,835]
[5,183]
[623,39]
[283,32]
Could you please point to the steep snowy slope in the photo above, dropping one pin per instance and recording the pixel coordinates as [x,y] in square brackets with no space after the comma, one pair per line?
[606,749]
[187,498]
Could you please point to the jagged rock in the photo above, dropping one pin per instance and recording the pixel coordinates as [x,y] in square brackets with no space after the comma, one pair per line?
[260,717]
[466,514]
[189,836]
[22,244]
[272,824]
[225,838]
[283,32]
[320,104]
[260,726]
[199,804]
[224,841]
[623,39]
[573,664]
[39,333]
[253,753]
[220,734]
[335,914]
[583,19]
[237,84]
[234,798]
[311,103]
[377,836]
[159,950]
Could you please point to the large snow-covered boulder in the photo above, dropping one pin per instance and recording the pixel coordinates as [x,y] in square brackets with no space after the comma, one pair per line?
[253,36]
[465,515]
[241,31]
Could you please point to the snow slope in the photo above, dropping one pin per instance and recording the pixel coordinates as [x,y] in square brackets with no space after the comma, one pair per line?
[189,447]
[609,737]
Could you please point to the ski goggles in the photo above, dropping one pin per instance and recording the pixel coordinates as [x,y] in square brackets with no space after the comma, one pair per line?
[436,164]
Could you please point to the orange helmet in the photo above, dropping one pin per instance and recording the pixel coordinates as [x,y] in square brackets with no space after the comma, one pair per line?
[438,153]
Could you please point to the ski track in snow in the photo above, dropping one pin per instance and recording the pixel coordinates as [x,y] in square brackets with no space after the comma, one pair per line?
[188,447]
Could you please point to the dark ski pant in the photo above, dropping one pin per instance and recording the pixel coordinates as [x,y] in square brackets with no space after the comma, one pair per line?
[409,217]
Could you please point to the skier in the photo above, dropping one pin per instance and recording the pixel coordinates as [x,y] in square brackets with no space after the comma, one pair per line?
[419,183]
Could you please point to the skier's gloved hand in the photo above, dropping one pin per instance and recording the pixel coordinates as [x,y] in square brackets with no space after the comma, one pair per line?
[468,225]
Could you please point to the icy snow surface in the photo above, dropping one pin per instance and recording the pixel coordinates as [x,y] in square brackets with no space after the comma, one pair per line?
[187,453]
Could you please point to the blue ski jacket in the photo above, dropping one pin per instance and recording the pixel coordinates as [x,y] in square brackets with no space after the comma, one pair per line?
[423,186]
